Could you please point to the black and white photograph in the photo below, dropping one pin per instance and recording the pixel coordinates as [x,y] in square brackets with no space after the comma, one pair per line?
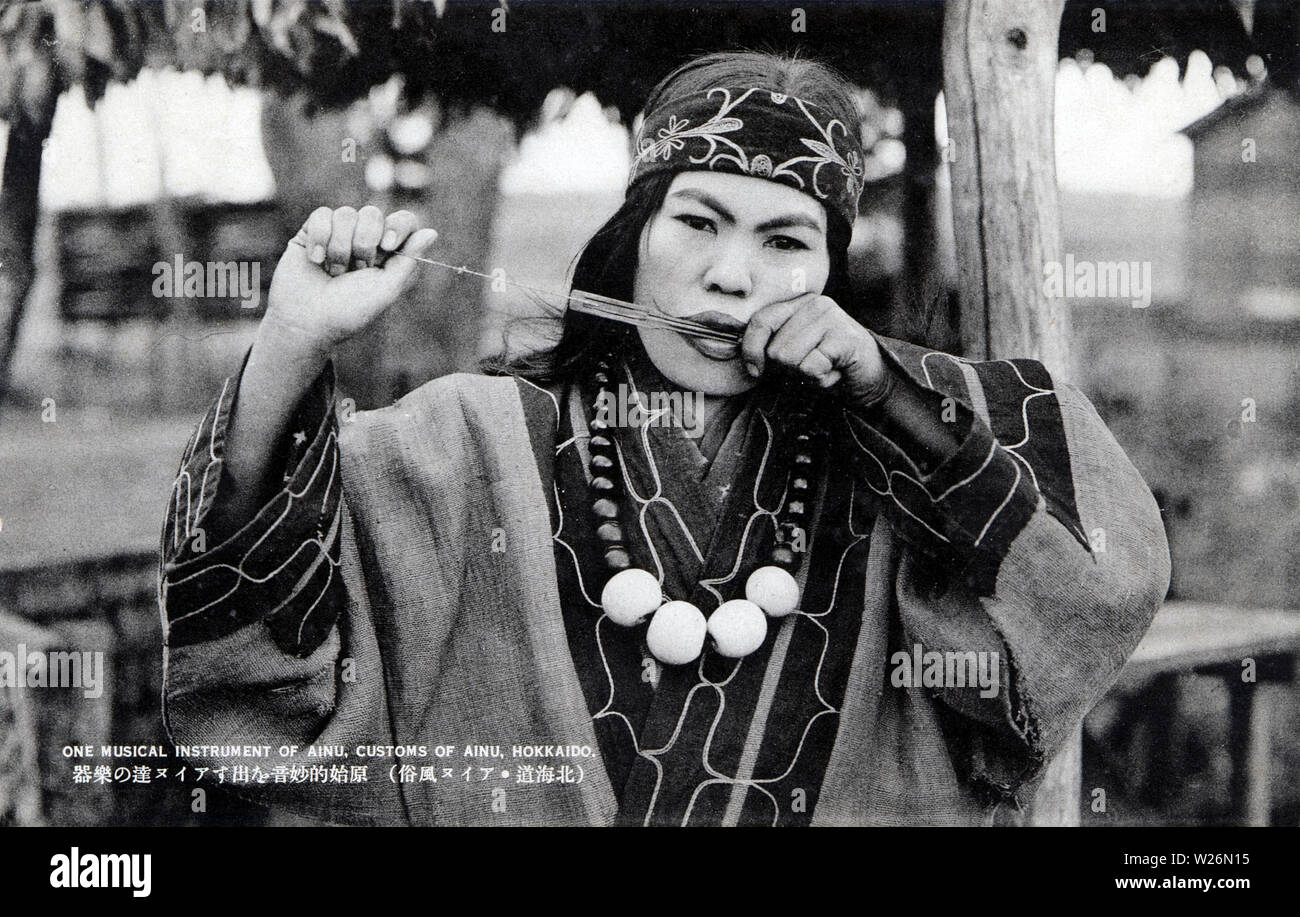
[544,413]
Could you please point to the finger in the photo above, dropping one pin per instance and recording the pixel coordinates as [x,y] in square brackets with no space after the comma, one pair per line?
[343,224]
[800,335]
[818,367]
[399,225]
[762,325]
[420,242]
[366,236]
[317,230]
[399,271]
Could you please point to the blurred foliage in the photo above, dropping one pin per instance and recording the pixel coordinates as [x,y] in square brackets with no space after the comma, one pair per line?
[509,57]
[1133,35]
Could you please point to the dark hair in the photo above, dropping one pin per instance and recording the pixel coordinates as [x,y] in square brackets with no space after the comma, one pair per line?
[607,264]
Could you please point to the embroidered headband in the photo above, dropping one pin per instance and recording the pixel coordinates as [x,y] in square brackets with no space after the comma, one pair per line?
[761,133]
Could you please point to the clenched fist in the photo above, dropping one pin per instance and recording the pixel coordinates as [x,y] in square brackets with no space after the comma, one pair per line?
[812,335]
[335,277]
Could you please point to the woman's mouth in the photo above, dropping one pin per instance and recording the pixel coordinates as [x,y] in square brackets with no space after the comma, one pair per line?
[719,321]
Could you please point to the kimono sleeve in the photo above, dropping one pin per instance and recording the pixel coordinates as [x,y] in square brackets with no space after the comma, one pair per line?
[281,567]
[260,647]
[965,504]
[1034,541]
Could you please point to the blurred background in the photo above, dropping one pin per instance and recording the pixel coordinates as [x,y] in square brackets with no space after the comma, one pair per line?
[136,134]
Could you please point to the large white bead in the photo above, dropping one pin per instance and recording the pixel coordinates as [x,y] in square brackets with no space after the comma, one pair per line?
[773,590]
[676,634]
[738,628]
[630,595]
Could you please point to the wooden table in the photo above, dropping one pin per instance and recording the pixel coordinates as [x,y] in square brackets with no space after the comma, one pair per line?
[1195,638]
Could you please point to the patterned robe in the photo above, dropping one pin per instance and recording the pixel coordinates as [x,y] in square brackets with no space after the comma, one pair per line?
[982,550]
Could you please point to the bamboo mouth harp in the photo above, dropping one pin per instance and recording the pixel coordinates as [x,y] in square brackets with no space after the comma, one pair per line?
[594,304]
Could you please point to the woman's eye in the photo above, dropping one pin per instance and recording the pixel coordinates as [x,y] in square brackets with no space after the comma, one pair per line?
[703,224]
[787,243]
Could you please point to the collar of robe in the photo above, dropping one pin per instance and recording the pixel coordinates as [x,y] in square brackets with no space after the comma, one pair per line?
[677,630]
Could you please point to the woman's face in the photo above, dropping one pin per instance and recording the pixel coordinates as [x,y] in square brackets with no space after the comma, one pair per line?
[720,248]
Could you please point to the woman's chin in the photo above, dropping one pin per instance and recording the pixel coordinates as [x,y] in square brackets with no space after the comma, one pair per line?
[709,368]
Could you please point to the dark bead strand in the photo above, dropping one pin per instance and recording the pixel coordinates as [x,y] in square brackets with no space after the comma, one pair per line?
[794,514]
[605,479]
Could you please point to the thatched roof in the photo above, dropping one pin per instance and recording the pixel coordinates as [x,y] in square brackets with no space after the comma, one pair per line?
[336,51]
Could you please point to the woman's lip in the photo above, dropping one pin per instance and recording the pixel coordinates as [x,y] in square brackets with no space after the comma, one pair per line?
[714,350]
[718,320]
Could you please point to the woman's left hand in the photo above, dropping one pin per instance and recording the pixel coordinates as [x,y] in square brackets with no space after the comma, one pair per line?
[813,335]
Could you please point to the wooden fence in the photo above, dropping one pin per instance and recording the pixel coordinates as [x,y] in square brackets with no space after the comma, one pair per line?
[107,605]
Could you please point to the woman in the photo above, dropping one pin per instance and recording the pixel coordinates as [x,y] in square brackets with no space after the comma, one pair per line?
[860,588]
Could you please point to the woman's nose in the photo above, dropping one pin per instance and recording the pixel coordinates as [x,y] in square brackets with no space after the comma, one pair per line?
[729,272]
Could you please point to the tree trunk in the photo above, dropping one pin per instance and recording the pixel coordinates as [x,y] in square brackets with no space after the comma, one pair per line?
[29,127]
[305,153]
[1000,59]
[435,329]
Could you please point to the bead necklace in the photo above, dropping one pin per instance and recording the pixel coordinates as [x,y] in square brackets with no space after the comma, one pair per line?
[677,628]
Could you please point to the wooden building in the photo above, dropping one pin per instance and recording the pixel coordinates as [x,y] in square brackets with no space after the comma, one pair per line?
[1245,209]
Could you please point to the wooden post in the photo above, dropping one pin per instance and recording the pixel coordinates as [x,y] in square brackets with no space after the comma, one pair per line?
[999,76]
[1250,710]
[20,775]
[1000,59]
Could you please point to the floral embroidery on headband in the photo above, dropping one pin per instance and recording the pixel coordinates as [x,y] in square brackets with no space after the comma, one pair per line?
[767,134]
[679,130]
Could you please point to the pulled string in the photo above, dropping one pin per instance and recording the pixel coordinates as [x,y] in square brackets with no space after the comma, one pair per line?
[589,303]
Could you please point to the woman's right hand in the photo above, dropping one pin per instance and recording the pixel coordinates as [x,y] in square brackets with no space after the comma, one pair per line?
[334,278]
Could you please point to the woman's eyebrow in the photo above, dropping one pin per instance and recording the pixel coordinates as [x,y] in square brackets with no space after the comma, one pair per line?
[707,200]
[795,219]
